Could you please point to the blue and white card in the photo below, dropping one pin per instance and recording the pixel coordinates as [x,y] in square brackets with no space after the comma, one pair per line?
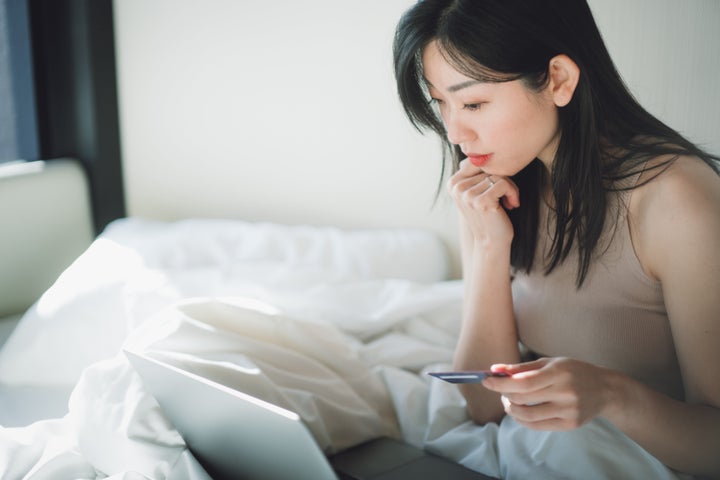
[467,377]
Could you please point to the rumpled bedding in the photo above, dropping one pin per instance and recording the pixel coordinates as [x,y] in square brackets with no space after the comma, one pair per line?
[338,326]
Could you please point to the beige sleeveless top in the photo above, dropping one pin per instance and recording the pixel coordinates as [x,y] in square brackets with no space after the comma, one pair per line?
[617,319]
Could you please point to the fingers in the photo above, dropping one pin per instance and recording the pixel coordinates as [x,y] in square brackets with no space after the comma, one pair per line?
[550,393]
[510,198]
[524,377]
[528,412]
[480,189]
[540,417]
[540,410]
[544,416]
[459,186]
[530,399]
[520,367]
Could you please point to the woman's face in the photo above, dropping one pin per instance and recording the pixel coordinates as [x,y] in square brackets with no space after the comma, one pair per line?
[501,127]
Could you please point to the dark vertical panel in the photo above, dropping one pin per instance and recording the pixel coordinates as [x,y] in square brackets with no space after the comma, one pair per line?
[18,131]
[8,148]
[74,58]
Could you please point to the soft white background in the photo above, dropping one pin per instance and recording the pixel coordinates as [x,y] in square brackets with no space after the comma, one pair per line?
[286,110]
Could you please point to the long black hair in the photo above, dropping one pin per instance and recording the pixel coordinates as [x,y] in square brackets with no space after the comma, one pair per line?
[504,40]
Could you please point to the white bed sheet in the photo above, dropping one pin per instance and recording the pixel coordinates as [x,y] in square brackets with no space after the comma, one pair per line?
[280,311]
[136,267]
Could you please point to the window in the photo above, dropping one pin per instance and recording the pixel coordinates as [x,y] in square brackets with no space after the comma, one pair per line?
[18,124]
[58,92]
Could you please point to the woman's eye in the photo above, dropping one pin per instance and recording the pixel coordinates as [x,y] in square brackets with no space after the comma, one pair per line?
[473,106]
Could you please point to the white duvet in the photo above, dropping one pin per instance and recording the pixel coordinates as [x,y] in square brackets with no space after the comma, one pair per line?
[339,326]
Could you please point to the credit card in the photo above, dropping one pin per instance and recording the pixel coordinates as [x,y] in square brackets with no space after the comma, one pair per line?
[467,377]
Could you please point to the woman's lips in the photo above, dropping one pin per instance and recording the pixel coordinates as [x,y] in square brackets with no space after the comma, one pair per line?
[479,159]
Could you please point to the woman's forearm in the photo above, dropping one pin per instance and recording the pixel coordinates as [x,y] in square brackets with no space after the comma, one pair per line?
[682,435]
[488,334]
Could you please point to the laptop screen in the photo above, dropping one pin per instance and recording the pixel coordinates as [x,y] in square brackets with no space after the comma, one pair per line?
[232,434]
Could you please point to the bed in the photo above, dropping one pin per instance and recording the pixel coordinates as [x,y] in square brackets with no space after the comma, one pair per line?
[338,324]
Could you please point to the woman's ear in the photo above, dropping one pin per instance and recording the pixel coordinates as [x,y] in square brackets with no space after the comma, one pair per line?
[564,75]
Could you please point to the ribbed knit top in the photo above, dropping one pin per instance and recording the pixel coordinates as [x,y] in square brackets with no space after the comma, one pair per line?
[617,319]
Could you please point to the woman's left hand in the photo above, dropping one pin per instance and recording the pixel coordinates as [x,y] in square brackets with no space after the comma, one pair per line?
[552,393]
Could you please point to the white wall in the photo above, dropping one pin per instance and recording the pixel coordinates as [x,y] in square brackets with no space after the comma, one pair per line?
[277,110]
[668,52]
[286,110]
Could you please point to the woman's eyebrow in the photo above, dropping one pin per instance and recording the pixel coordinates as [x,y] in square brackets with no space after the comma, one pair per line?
[456,87]
[460,86]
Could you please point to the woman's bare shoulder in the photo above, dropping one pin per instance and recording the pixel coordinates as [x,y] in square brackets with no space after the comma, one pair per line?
[680,173]
[674,209]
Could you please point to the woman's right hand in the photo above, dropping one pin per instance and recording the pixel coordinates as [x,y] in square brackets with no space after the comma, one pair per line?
[480,198]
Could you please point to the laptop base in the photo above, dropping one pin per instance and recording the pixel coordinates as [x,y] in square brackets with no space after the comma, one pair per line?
[388,459]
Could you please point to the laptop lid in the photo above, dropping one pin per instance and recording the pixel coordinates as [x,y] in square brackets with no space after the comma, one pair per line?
[232,434]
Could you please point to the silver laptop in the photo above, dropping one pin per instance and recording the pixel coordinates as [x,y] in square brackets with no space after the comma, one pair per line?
[237,436]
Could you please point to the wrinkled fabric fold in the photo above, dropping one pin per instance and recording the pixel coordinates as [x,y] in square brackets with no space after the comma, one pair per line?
[312,369]
[347,390]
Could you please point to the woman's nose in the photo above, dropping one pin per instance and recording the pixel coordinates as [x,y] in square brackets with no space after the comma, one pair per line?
[457,131]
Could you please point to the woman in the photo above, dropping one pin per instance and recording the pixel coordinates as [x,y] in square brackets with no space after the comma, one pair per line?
[589,228]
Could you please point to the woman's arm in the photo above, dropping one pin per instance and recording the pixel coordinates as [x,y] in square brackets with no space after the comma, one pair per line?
[488,334]
[676,233]
[675,226]
[563,394]
[682,435]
